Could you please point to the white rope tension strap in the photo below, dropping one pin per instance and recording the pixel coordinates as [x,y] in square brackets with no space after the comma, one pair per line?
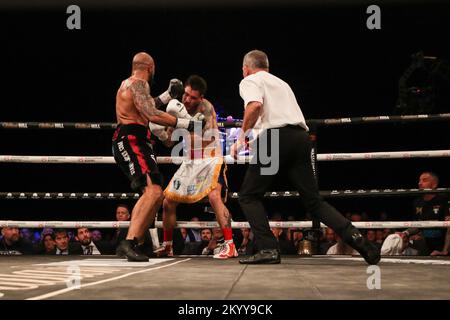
[228,159]
[213,224]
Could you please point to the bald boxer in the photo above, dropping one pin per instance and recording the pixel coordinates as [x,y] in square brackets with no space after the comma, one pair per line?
[203,174]
[133,151]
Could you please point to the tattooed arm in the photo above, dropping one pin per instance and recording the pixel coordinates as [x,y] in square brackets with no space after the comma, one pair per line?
[210,115]
[145,104]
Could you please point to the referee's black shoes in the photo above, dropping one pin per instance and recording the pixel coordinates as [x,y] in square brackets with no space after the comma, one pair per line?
[271,256]
[367,249]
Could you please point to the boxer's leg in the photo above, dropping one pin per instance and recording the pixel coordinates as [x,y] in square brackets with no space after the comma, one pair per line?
[169,222]
[222,214]
[145,210]
[223,217]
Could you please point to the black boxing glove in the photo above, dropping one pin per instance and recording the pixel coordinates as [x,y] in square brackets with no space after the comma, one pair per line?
[174,91]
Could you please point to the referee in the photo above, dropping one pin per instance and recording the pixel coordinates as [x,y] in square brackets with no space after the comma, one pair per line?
[272,111]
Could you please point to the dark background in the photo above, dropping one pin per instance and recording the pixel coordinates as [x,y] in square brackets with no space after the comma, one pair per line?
[334,64]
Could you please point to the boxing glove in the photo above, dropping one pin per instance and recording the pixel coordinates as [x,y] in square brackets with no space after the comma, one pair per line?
[189,124]
[177,109]
[174,91]
[158,130]
[199,116]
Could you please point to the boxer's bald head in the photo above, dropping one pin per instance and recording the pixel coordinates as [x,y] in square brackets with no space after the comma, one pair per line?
[255,60]
[143,62]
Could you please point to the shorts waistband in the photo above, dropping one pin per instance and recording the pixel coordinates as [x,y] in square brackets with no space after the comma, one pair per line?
[132,129]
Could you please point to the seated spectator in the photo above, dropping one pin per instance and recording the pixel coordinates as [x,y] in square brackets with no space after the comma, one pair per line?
[432,207]
[122,214]
[90,247]
[71,236]
[247,246]
[46,231]
[62,244]
[418,243]
[27,235]
[206,234]
[386,232]
[13,244]
[193,234]
[96,235]
[215,244]
[286,246]
[48,244]
[397,244]
[329,241]
[184,234]
[145,245]
[341,248]
[371,235]
[297,237]
[196,248]
[37,237]
[379,237]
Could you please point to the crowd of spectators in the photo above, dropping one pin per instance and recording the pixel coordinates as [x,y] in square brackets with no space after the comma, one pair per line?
[207,241]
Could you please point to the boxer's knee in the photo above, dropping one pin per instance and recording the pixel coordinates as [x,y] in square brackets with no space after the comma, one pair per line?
[139,183]
[169,206]
[153,192]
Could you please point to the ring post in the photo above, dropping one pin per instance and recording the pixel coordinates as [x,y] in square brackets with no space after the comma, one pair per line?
[314,234]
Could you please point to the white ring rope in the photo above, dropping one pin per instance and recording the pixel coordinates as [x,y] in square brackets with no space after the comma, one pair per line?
[213,224]
[229,159]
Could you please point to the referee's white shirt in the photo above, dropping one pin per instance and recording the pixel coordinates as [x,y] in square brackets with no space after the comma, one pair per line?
[279,105]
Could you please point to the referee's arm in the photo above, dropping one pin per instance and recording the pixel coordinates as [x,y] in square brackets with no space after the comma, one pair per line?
[251,115]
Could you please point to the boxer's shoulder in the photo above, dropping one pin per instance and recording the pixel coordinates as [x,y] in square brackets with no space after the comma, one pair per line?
[206,107]
[136,85]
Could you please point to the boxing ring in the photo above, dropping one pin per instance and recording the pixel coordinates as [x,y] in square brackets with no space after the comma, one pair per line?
[196,278]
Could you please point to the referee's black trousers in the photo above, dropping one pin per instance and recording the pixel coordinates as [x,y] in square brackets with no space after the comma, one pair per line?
[295,157]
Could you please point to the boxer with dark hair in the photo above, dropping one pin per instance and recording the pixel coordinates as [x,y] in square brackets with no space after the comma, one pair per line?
[202,174]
